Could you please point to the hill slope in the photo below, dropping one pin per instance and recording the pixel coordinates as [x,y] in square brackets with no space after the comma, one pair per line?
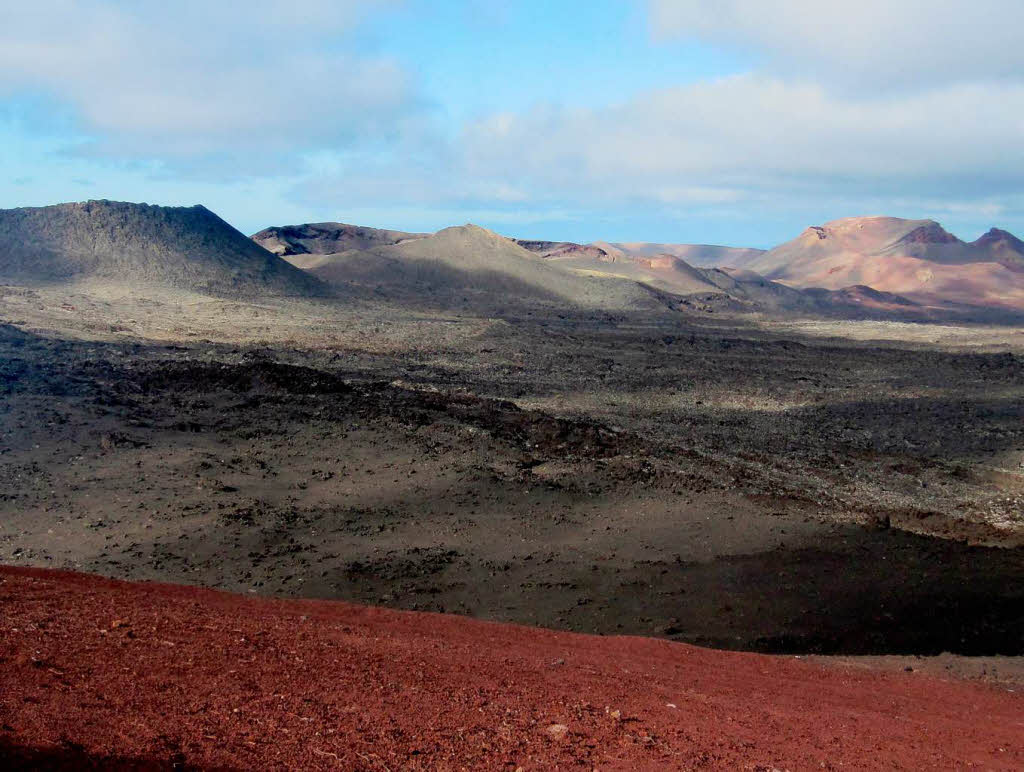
[1001,246]
[664,272]
[93,677]
[327,238]
[137,244]
[557,249]
[731,288]
[915,258]
[700,255]
[468,264]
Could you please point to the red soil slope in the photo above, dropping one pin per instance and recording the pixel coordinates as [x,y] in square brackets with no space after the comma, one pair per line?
[95,672]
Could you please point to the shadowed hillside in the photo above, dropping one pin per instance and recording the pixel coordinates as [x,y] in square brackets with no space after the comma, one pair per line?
[327,238]
[731,288]
[471,265]
[187,248]
[560,249]
[703,255]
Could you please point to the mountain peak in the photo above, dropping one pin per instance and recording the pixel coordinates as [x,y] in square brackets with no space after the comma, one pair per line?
[875,220]
[326,238]
[471,233]
[562,249]
[930,233]
[468,228]
[141,244]
[996,235]
[916,259]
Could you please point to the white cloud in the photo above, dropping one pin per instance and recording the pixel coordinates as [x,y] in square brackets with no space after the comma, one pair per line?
[750,143]
[908,106]
[752,132]
[871,43]
[190,78]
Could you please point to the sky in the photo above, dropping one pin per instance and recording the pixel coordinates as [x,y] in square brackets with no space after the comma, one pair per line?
[736,122]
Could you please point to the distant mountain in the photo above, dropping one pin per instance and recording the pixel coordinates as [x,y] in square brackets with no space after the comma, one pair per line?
[918,259]
[559,249]
[859,267]
[1003,247]
[704,288]
[664,272]
[699,255]
[138,244]
[741,290]
[327,238]
[469,265]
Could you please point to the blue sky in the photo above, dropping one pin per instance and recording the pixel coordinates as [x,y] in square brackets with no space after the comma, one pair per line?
[732,121]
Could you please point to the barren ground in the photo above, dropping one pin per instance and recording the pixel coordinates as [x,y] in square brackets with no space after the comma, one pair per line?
[733,483]
[103,675]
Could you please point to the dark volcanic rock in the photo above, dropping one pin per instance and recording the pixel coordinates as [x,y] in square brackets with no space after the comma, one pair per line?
[327,238]
[562,249]
[181,247]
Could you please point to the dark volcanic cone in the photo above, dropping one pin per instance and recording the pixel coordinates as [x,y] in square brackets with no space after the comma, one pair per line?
[181,247]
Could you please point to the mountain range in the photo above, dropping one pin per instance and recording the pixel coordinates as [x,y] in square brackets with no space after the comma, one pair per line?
[471,266]
[886,264]
[882,267]
[915,258]
[465,266]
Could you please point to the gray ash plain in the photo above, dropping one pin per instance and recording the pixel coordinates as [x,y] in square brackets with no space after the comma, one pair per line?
[711,482]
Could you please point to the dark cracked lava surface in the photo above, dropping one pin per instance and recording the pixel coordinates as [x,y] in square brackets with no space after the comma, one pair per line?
[97,673]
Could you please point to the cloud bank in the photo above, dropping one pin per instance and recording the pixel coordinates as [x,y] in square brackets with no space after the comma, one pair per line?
[874,44]
[900,106]
[897,106]
[192,79]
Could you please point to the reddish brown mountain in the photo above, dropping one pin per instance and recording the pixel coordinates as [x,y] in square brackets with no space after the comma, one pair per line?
[915,258]
[1003,246]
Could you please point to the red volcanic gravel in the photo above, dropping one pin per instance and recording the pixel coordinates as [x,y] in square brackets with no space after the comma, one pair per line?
[95,672]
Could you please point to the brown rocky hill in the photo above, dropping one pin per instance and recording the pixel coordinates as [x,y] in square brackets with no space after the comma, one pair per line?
[187,248]
[915,258]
